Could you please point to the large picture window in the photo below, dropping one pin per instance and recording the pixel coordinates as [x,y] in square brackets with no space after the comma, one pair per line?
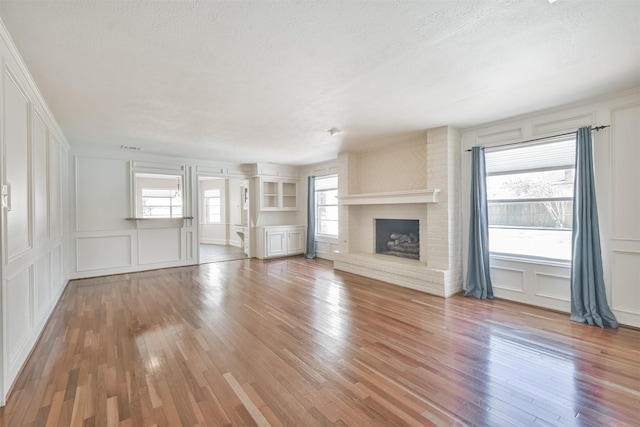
[530,200]
[327,205]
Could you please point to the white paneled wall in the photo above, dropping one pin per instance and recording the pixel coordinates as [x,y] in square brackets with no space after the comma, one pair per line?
[623,238]
[105,238]
[616,156]
[34,158]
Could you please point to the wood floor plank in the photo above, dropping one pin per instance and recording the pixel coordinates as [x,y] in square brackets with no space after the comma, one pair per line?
[55,410]
[291,342]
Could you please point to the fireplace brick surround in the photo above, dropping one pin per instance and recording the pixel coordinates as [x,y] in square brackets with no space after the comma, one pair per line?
[414,179]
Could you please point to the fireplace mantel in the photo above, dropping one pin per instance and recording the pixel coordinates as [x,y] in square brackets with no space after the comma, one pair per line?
[392,198]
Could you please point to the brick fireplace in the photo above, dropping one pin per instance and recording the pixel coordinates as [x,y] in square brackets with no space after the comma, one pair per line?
[423,190]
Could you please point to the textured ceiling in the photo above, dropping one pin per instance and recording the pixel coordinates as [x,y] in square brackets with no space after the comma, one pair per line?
[263,81]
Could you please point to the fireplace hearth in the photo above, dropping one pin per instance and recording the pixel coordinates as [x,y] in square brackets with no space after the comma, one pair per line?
[398,237]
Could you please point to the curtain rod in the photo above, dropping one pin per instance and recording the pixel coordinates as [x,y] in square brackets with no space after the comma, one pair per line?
[597,128]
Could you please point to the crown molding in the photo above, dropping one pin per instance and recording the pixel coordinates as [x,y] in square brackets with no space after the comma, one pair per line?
[12,49]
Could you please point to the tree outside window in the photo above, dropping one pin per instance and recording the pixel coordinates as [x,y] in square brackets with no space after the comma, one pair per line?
[530,200]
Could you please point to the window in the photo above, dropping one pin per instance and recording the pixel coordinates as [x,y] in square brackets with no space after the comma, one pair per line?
[212,213]
[327,205]
[157,195]
[530,199]
[161,203]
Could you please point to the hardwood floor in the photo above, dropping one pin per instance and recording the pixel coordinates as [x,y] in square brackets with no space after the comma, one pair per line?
[218,253]
[291,342]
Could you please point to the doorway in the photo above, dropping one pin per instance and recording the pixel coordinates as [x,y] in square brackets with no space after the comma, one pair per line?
[221,214]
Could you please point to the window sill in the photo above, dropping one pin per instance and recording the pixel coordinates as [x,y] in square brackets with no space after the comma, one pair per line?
[326,237]
[531,260]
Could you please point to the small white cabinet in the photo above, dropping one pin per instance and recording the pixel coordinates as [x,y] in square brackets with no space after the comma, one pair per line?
[282,240]
[278,195]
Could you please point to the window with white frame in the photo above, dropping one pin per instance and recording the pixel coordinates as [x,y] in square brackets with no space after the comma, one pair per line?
[212,203]
[161,203]
[530,199]
[327,205]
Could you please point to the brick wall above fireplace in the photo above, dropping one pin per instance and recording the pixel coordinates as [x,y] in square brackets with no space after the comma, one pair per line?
[415,179]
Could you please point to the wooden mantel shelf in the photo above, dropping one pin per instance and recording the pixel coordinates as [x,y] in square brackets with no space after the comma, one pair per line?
[392,198]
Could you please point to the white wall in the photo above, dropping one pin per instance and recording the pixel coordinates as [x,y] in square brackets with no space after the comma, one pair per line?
[616,156]
[33,249]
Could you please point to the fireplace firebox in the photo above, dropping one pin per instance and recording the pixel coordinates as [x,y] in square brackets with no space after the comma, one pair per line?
[398,237]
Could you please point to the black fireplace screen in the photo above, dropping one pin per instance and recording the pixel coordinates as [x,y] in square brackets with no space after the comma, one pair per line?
[398,237]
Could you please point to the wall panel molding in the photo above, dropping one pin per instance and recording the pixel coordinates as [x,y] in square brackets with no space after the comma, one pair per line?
[506,278]
[567,124]
[41,173]
[555,281]
[502,136]
[208,170]
[99,252]
[41,287]
[624,172]
[18,291]
[159,245]
[18,170]
[625,269]
[101,204]
[188,246]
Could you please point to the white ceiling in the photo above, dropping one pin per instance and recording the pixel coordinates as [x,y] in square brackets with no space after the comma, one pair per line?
[263,81]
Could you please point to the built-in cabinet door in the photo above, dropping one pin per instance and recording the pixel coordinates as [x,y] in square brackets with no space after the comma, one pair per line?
[295,241]
[283,240]
[275,241]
